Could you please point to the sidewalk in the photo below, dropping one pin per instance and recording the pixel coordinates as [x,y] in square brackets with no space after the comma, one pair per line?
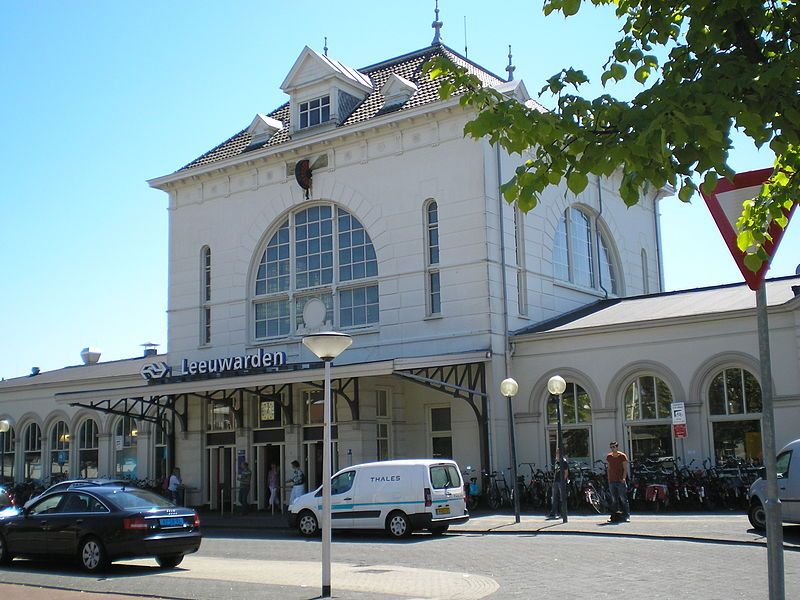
[722,527]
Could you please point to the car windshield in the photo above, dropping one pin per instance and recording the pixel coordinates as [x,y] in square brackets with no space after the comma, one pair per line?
[138,499]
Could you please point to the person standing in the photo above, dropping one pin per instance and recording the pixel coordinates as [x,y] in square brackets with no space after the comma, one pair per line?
[617,480]
[298,481]
[175,482]
[245,476]
[272,484]
[560,479]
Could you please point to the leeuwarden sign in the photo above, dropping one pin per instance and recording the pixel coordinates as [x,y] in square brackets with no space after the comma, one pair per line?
[158,371]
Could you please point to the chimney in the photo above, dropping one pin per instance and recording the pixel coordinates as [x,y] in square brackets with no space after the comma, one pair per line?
[90,355]
[34,371]
[150,349]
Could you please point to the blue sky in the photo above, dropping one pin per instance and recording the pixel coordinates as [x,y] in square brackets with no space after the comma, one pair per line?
[100,96]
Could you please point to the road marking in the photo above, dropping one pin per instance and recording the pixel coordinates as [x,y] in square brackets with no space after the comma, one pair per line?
[379,579]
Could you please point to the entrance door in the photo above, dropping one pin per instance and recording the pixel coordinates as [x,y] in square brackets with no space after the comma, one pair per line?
[221,477]
[265,457]
[313,463]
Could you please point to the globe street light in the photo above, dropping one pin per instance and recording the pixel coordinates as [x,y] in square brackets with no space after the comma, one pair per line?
[509,388]
[4,426]
[556,386]
[327,346]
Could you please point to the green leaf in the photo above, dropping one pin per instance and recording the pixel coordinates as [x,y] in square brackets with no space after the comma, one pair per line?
[753,262]
[709,182]
[570,7]
[577,182]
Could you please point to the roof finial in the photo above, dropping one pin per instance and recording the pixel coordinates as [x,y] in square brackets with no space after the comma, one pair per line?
[437,26]
[510,68]
[325,47]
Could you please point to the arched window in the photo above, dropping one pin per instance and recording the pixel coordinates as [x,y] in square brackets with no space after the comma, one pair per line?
[648,417]
[126,435]
[88,449]
[433,280]
[7,442]
[578,248]
[576,423]
[205,317]
[32,447]
[734,406]
[313,255]
[59,450]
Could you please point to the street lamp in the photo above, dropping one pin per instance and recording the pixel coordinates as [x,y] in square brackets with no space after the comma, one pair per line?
[327,346]
[556,386]
[4,426]
[509,388]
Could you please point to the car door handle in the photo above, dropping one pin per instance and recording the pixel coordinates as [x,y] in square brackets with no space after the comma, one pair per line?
[348,498]
[79,521]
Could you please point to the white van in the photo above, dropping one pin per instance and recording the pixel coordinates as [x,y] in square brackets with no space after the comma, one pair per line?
[788,489]
[400,496]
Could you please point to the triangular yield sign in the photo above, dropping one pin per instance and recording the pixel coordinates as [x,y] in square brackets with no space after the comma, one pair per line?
[725,204]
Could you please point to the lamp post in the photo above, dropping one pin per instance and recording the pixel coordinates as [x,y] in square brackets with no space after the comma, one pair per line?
[4,426]
[509,388]
[327,346]
[556,386]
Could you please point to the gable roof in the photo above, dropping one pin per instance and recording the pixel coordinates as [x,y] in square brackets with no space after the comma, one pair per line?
[408,66]
[331,66]
[667,305]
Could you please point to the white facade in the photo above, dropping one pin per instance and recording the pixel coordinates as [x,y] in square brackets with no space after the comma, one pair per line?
[443,314]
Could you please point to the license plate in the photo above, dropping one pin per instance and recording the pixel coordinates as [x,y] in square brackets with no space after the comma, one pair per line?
[171,522]
[442,510]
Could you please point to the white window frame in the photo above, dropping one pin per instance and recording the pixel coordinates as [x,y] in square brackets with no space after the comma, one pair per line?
[438,433]
[384,420]
[597,235]
[522,273]
[205,296]
[433,281]
[346,278]
[304,109]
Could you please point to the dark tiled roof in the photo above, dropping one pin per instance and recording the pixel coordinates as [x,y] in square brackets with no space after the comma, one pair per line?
[408,66]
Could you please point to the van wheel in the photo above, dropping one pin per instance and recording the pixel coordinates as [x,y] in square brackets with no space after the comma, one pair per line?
[757,516]
[307,524]
[398,525]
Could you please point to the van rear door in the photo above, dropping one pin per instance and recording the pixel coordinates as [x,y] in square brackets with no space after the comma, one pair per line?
[447,491]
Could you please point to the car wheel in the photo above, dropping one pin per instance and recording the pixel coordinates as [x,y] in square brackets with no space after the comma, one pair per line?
[757,516]
[92,555]
[398,525]
[5,555]
[307,524]
[440,530]
[170,561]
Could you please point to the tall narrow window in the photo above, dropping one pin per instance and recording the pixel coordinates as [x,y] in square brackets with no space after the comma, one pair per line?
[522,279]
[576,421]
[441,432]
[383,417]
[7,468]
[432,258]
[126,435]
[59,450]
[161,446]
[206,310]
[734,406]
[582,253]
[32,444]
[88,449]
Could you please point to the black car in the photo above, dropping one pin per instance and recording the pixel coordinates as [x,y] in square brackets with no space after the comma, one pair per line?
[71,483]
[100,524]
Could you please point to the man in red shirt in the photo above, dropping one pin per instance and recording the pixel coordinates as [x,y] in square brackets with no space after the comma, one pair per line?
[617,477]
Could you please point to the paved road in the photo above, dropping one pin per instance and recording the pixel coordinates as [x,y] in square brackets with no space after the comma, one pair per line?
[714,557]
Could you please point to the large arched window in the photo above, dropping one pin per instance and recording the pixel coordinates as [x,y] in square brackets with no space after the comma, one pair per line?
[734,406]
[125,441]
[88,449]
[59,450]
[32,447]
[579,246]
[576,422]
[648,417]
[314,254]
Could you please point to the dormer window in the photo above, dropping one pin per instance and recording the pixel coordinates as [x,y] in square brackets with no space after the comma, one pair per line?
[315,111]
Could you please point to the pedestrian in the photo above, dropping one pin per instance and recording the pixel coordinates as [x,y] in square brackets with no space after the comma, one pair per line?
[617,480]
[245,476]
[560,480]
[298,481]
[175,482]
[272,484]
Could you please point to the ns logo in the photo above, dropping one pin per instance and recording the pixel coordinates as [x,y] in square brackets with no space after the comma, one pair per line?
[157,370]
